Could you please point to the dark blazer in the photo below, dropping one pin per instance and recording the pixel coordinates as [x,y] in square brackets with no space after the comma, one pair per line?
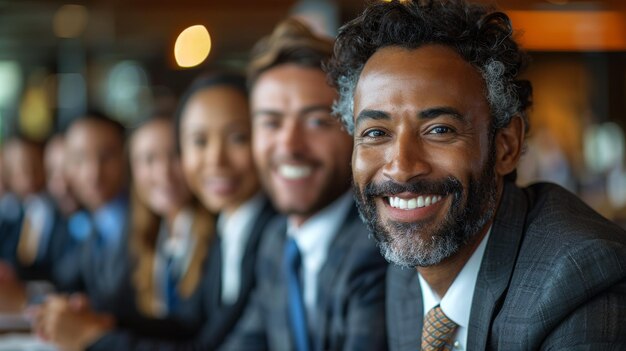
[9,238]
[203,308]
[60,243]
[350,295]
[103,277]
[553,277]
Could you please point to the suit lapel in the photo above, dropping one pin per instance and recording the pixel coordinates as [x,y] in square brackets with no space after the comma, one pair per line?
[337,253]
[497,265]
[273,286]
[250,256]
[404,309]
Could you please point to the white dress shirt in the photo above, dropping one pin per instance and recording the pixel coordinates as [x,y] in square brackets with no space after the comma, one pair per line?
[314,238]
[457,302]
[234,231]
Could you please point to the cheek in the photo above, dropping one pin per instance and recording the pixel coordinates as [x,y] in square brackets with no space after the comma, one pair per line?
[143,193]
[179,177]
[241,159]
[261,148]
[365,163]
[191,165]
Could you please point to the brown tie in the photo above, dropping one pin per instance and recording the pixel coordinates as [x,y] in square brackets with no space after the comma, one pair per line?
[438,330]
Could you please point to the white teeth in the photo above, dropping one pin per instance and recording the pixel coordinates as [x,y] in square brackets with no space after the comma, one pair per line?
[294,172]
[412,204]
[417,202]
[403,204]
[420,201]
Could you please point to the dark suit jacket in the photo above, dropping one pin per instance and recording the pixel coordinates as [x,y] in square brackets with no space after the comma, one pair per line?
[102,276]
[60,243]
[553,277]
[204,308]
[350,295]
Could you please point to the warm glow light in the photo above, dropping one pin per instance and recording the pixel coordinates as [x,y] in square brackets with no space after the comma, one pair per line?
[70,21]
[192,46]
[35,118]
[570,30]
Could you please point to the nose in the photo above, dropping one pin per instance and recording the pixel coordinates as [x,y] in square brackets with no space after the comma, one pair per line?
[407,159]
[292,137]
[164,169]
[216,153]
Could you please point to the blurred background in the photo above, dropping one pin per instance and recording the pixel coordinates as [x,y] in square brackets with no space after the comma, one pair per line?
[129,58]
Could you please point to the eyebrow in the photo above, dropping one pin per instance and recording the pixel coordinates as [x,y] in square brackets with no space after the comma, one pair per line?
[371,114]
[314,108]
[430,113]
[435,112]
[306,110]
[267,112]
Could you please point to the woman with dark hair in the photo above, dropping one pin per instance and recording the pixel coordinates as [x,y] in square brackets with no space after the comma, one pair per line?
[170,232]
[213,128]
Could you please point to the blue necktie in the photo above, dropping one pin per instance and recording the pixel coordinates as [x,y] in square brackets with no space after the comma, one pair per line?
[171,282]
[296,311]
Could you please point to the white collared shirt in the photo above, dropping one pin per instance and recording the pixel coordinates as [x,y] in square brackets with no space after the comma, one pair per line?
[314,238]
[457,302]
[234,231]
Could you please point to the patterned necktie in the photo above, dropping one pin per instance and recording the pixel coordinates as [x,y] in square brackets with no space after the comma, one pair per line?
[438,330]
[297,313]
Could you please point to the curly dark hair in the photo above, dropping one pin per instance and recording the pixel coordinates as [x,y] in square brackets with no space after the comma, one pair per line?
[479,34]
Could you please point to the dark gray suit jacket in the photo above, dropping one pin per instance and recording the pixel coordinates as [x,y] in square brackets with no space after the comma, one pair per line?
[350,296]
[553,277]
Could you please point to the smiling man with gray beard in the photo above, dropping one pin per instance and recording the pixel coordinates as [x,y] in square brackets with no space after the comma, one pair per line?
[431,92]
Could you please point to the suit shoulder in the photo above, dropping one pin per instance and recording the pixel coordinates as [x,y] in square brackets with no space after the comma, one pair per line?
[566,219]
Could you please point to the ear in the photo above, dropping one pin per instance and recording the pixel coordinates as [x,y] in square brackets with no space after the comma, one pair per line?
[509,143]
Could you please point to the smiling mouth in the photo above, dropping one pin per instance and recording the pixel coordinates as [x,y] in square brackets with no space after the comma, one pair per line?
[293,172]
[412,203]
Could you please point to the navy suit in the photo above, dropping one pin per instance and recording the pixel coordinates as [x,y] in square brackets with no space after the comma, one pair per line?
[351,295]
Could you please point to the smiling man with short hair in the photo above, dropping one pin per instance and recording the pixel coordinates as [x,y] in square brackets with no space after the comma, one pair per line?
[320,280]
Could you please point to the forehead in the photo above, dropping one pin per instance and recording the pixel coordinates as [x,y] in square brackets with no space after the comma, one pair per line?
[158,132]
[20,148]
[424,77]
[291,86]
[93,134]
[215,106]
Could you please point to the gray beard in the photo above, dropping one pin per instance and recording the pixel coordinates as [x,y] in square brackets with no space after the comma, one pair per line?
[401,243]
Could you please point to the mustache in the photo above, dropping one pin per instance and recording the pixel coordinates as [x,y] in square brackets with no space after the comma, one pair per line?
[442,187]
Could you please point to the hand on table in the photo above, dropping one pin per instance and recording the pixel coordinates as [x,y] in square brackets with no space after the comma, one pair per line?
[70,323]
[13,292]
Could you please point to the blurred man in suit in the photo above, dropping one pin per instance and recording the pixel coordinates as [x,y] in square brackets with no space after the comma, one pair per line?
[431,93]
[97,168]
[320,280]
[24,174]
[21,245]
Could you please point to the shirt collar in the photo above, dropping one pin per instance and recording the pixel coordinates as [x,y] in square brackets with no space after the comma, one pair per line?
[316,234]
[457,302]
[237,223]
